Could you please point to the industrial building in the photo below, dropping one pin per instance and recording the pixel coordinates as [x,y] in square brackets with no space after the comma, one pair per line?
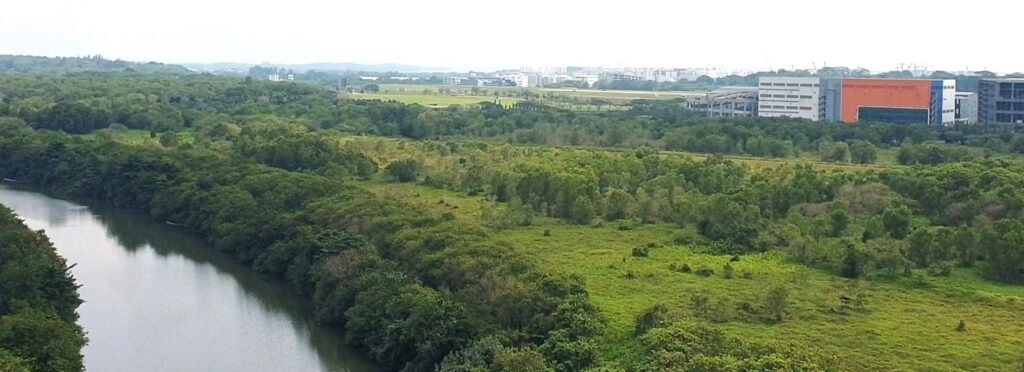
[1001,101]
[966,108]
[889,100]
[727,102]
[794,97]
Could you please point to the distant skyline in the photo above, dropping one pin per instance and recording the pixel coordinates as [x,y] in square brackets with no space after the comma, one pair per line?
[464,35]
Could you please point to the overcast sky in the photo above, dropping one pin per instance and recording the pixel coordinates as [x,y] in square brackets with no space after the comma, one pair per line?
[485,34]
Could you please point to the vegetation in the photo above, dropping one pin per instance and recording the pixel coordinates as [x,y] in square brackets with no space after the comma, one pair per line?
[507,237]
[38,302]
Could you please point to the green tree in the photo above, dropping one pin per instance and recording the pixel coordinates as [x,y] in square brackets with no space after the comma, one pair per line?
[836,152]
[169,139]
[1003,247]
[890,256]
[620,205]
[863,152]
[919,249]
[839,221]
[582,210]
[854,260]
[896,221]
[965,245]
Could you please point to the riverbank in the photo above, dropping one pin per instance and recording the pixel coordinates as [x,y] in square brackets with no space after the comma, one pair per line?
[171,302]
[38,302]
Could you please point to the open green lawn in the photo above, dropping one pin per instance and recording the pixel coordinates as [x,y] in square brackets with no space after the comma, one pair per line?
[555,94]
[435,100]
[906,324]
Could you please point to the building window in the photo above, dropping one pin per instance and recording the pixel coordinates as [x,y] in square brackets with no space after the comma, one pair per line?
[1003,106]
[792,96]
[805,108]
[779,107]
[792,108]
[779,84]
[805,85]
[792,84]
[779,96]
[806,97]
[766,84]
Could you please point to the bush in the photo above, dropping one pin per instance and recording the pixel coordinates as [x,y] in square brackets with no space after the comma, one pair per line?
[685,269]
[728,271]
[641,251]
[776,302]
[705,271]
[405,170]
[655,317]
[943,268]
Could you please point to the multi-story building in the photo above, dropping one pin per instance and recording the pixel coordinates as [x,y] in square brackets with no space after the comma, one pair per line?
[1001,101]
[966,108]
[727,102]
[889,100]
[795,97]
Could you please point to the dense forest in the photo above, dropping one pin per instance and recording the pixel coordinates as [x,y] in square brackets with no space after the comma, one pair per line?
[284,177]
[38,302]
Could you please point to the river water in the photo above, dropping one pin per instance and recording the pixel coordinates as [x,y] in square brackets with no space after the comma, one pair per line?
[160,299]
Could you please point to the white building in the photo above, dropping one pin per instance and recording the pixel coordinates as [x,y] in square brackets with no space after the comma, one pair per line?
[966,108]
[794,97]
[948,102]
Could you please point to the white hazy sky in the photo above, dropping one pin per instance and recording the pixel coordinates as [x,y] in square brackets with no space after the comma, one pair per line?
[484,34]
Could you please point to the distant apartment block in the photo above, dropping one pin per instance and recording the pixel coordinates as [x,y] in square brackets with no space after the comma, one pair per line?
[1001,101]
[966,108]
[727,102]
[905,101]
[794,97]
[453,80]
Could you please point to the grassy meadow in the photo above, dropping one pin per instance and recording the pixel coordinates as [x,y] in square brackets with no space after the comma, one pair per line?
[906,324]
[431,100]
[901,324]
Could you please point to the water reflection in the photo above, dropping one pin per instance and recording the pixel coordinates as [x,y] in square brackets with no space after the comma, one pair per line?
[159,299]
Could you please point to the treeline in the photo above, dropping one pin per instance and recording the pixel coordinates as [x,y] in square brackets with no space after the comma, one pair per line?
[85,102]
[413,291]
[850,222]
[13,64]
[38,303]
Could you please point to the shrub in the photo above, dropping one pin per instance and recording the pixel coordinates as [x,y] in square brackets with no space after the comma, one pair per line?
[655,317]
[547,232]
[705,271]
[405,170]
[641,251]
[776,302]
[728,271]
[685,269]
[943,268]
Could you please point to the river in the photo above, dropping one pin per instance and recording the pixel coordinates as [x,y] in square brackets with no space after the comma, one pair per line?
[160,299]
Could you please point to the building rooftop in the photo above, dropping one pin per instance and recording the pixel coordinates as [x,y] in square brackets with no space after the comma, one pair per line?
[1006,80]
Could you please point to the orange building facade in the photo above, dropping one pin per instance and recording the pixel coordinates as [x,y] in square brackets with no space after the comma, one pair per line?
[901,94]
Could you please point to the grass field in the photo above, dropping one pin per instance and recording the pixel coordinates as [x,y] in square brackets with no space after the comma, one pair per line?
[435,100]
[620,97]
[906,324]
[903,324]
